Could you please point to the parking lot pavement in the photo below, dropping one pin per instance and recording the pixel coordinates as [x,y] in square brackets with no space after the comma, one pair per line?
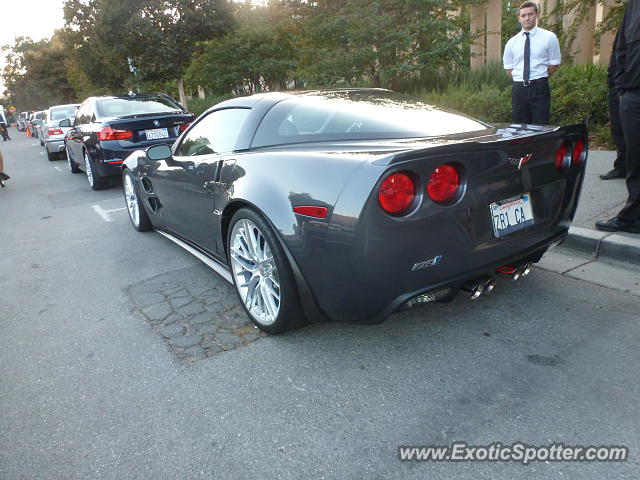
[91,386]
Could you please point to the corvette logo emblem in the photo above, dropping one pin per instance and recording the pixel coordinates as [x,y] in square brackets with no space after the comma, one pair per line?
[519,162]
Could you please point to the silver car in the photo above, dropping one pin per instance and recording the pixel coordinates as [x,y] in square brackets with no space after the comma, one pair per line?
[52,133]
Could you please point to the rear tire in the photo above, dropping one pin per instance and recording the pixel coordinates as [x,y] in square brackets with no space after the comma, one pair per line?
[262,275]
[96,182]
[137,213]
[51,156]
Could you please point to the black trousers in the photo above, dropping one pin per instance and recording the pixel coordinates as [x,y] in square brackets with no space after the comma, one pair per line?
[4,131]
[630,117]
[531,104]
[616,130]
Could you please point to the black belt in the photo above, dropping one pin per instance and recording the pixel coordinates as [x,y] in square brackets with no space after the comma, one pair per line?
[531,82]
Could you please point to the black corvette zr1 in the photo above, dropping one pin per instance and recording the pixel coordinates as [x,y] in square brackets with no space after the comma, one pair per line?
[352,204]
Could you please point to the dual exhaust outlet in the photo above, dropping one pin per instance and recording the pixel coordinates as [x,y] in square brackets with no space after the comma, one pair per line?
[483,286]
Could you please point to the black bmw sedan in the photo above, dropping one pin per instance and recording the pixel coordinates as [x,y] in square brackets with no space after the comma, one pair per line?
[107,129]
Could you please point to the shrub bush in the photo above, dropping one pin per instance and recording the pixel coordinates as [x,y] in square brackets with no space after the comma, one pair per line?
[578,94]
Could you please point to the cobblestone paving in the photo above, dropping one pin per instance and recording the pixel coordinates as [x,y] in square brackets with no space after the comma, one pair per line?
[198,315]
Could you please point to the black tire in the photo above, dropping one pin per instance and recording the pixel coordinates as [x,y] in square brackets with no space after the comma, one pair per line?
[51,156]
[274,282]
[140,221]
[41,143]
[96,182]
[73,166]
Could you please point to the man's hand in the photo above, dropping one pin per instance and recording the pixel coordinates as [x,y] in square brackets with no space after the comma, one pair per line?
[552,69]
[509,72]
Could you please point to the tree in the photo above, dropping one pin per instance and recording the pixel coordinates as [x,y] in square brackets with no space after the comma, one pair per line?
[35,74]
[155,39]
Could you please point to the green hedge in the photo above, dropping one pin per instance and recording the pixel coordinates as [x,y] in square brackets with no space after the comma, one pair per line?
[578,94]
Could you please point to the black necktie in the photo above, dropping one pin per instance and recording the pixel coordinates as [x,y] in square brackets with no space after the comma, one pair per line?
[527,58]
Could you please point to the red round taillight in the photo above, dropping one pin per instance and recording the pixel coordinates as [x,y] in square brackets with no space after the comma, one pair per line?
[396,193]
[444,183]
[576,155]
[561,158]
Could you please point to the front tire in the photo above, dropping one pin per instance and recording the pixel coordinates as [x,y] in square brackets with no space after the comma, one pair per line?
[262,275]
[73,166]
[95,181]
[137,213]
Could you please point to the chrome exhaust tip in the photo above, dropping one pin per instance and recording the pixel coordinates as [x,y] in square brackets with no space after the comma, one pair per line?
[489,285]
[474,290]
[526,270]
[517,274]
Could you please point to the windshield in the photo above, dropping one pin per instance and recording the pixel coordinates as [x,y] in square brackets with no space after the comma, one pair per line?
[123,107]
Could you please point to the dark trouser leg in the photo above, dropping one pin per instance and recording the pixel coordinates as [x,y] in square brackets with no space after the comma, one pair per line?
[630,117]
[540,103]
[520,104]
[616,130]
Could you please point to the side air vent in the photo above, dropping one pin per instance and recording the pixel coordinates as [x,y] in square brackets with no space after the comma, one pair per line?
[146,184]
[155,205]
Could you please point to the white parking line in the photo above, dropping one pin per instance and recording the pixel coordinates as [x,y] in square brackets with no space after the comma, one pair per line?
[105,213]
[61,170]
[42,153]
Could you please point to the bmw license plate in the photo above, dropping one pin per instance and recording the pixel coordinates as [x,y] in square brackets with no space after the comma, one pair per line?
[157,133]
[511,214]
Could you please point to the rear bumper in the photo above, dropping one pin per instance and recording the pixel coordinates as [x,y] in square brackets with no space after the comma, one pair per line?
[55,146]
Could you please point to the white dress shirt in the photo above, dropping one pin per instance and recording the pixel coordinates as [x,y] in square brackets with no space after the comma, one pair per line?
[545,51]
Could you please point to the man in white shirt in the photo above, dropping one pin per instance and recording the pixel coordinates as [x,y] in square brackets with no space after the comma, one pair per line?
[530,58]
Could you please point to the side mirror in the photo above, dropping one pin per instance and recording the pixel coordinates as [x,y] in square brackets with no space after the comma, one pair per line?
[65,123]
[159,152]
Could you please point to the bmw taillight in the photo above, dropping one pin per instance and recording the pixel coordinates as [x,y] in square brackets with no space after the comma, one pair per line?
[54,131]
[396,193]
[184,126]
[576,154]
[108,133]
[444,183]
[562,159]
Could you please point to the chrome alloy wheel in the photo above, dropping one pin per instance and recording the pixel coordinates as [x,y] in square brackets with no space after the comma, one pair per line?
[87,166]
[131,199]
[255,272]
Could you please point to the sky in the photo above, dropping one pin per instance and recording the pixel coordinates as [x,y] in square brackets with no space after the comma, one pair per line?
[28,18]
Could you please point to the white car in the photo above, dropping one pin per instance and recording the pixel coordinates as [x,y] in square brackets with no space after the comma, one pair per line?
[52,133]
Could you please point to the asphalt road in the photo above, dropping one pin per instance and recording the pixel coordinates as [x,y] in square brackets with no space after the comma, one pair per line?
[90,387]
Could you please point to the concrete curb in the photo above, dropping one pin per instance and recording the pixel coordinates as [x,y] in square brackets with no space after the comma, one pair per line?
[604,244]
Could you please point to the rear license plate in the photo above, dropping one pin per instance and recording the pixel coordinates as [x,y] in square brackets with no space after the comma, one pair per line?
[157,133]
[510,215]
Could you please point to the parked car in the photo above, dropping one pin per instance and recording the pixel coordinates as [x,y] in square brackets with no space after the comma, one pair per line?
[351,204]
[52,134]
[36,121]
[21,123]
[107,129]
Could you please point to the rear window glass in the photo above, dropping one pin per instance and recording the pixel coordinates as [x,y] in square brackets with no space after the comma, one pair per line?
[122,107]
[359,116]
[62,113]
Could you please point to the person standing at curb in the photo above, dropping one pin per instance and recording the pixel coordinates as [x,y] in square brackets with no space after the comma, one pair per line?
[530,58]
[619,166]
[4,125]
[627,81]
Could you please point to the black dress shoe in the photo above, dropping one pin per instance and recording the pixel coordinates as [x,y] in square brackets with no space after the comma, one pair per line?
[615,173]
[615,225]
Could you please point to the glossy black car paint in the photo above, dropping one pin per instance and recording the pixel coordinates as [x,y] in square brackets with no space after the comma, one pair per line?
[107,156]
[359,263]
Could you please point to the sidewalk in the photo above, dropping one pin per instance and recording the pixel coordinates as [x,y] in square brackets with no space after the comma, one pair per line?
[602,199]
